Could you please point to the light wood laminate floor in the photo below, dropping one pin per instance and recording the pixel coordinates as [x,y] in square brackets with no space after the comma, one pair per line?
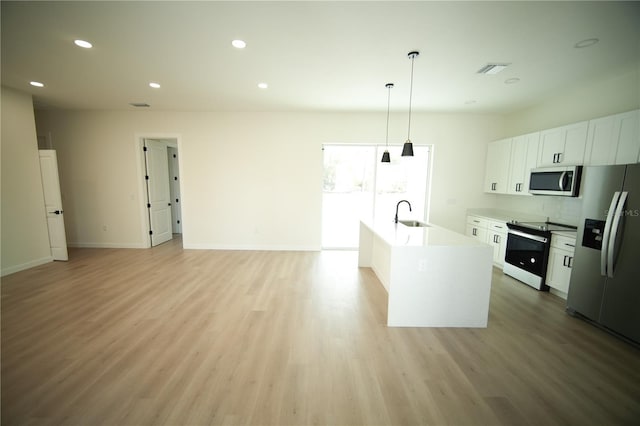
[167,336]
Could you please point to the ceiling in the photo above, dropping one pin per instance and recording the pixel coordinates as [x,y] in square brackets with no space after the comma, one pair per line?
[315,56]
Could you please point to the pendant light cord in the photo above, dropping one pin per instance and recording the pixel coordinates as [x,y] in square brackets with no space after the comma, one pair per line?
[413,57]
[388,109]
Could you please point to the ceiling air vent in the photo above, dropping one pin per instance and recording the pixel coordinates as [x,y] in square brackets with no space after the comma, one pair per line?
[140,104]
[494,68]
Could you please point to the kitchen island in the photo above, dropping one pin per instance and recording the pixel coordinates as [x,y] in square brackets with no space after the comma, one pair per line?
[434,277]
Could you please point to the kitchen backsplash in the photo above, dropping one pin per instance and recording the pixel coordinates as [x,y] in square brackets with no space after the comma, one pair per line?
[564,210]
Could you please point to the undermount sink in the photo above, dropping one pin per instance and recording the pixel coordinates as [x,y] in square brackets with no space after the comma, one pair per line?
[413,223]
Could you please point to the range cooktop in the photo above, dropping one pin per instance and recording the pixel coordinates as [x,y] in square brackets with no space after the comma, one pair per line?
[543,226]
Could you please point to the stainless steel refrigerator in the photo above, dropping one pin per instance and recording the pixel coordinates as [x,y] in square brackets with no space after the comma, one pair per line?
[605,280]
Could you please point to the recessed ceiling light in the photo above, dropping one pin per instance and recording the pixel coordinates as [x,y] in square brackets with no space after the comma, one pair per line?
[586,43]
[36,84]
[154,85]
[263,85]
[239,44]
[511,80]
[83,43]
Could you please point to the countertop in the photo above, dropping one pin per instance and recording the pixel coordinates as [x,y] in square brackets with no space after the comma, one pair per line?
[505,215]
[569,234]
[399,235]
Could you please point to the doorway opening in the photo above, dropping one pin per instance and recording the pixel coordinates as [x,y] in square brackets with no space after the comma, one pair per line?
[161,189]
[357,185]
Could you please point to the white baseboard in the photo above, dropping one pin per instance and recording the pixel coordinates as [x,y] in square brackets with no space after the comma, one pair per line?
[28,265]
[106,245]
[248,247]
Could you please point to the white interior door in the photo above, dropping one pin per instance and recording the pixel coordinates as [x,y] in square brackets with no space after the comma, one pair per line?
[53,204]
[159,201]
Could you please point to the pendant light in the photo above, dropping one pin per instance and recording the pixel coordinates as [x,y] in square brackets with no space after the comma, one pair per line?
[386,158]
[407,148]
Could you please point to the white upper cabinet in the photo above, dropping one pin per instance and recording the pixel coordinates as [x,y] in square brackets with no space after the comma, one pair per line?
[563,145]
[524,157]
[614,139]
[497,166]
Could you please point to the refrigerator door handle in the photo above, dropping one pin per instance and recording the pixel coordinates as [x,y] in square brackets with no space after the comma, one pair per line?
[606,234]
[614,234]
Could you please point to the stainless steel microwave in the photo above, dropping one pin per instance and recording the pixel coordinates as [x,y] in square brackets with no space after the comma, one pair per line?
[563,181]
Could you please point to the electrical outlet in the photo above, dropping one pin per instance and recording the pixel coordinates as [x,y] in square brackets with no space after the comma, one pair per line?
[422,265]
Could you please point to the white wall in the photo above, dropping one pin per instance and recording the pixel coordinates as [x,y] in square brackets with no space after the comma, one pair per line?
[618,92]
[249,180]
[25,238]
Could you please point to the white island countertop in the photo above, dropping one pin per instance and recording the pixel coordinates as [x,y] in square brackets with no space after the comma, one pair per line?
[399,235]
[435,277]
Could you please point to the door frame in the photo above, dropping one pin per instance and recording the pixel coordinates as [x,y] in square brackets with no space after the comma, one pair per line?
[174,140]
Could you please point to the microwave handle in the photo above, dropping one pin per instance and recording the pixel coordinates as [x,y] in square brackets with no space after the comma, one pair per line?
[563,177]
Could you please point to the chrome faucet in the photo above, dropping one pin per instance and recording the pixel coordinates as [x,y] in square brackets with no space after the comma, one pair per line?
[398,205]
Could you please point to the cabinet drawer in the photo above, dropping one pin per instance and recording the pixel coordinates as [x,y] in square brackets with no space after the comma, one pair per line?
[563,243]
[478,222]
[498,227]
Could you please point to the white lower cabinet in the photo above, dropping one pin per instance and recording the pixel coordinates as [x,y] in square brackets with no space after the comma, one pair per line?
[560,264]
[477,228]
[491,232]
[497,237]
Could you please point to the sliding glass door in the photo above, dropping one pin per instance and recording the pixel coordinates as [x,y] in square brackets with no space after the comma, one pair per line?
[356,184]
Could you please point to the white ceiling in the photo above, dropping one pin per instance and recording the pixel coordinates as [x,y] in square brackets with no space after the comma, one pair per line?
[315,56]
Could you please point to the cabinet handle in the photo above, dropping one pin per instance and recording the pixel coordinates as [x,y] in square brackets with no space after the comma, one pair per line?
[473,232]
[564,262]
[570,263]
[570,245]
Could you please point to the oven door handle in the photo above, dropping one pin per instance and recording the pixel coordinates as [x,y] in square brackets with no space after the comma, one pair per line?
[529,236]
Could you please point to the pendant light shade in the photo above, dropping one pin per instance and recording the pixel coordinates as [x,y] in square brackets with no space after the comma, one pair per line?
[407,149]
[386,158]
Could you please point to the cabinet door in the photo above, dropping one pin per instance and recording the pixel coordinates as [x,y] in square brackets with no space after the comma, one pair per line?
[559,269]
[476,232]
[531,162]
[551,144]
[524,157]
[601,149]
[497,166]
[499,243]
[563,145]
[627,133]
[575,141]
[517,166]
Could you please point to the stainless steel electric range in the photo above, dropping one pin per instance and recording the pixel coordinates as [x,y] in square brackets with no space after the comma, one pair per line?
[527,252]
